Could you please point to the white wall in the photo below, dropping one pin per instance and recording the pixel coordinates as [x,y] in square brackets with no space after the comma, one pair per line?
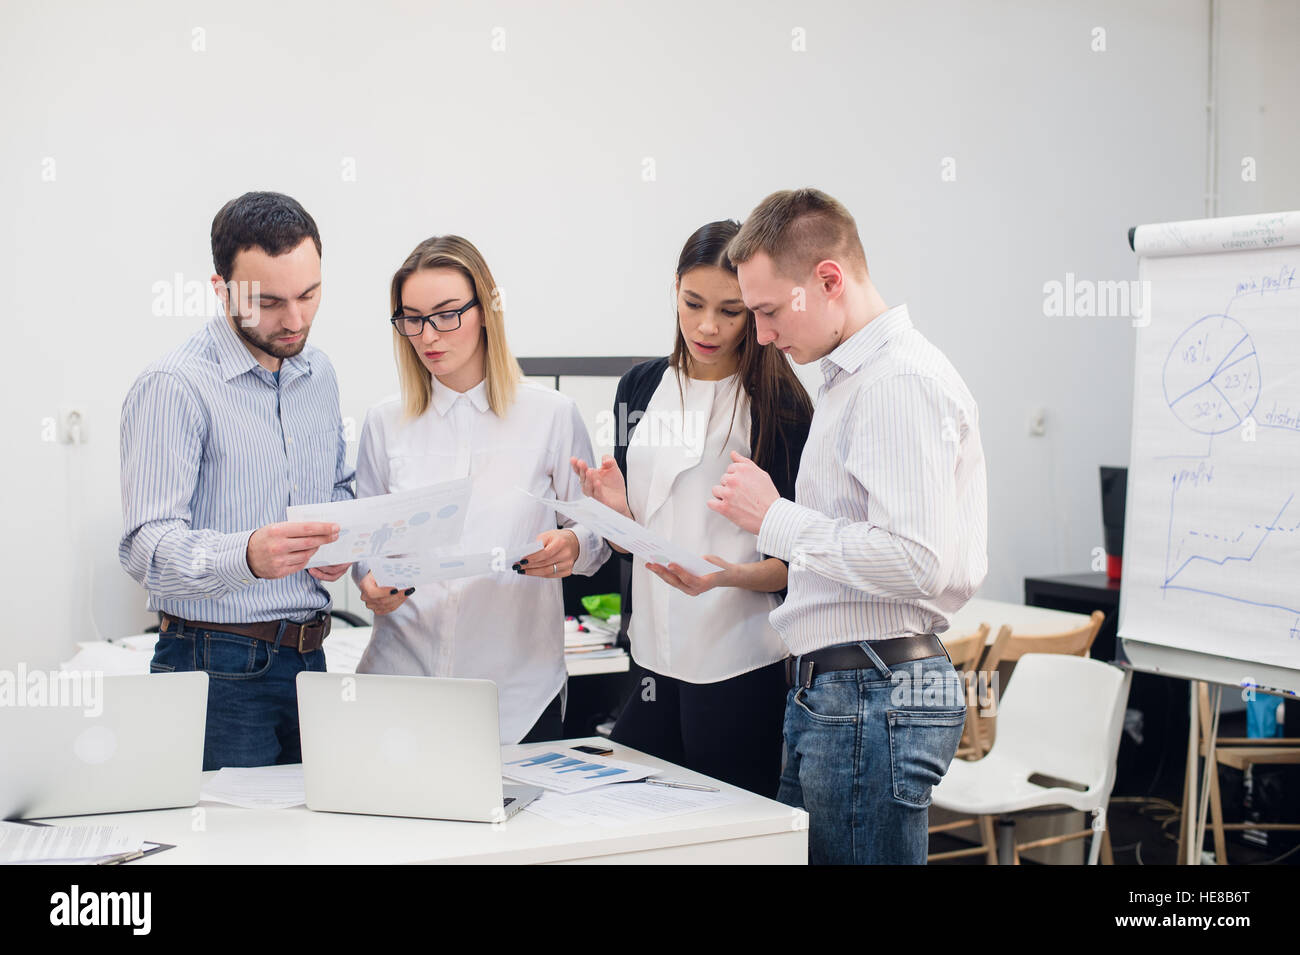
[536,152]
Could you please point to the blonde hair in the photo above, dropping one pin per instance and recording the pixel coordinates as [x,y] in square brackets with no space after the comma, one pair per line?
[798,228]
[502,371]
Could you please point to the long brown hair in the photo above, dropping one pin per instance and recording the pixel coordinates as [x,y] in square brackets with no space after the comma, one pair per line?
[775,393]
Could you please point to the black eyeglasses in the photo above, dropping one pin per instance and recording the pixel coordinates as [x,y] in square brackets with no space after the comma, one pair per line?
[413,325]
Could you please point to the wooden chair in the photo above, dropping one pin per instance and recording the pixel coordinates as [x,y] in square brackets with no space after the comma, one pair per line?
[1238,752]
[1074,642]
[979,722]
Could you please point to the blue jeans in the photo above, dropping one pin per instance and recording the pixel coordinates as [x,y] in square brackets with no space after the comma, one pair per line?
[863,750]
[252,696]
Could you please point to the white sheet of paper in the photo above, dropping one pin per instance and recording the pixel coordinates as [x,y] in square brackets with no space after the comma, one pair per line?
[258,787]
[568,771]
[19,843]
[409,570]
[404,522]
[624,805]
[628,534]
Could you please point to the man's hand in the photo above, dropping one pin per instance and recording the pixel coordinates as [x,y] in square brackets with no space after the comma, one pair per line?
[381,600]
[329,571]
[278,550]
[604,484]
[744,494]
[556,558]
[677,576]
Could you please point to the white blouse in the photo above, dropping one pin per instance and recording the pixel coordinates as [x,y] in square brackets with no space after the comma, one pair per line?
[502,627]
[674,458]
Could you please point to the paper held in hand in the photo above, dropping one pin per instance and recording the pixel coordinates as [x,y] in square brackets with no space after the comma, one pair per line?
[410,570]
[628,534]
[405,522]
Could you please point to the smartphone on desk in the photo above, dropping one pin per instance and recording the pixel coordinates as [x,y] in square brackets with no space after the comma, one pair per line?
[594,750]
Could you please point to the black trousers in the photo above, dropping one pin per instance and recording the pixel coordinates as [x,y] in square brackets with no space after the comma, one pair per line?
[730,730]
[550,725]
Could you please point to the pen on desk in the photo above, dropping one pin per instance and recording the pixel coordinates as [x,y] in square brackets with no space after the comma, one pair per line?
[672,785]
[123,857]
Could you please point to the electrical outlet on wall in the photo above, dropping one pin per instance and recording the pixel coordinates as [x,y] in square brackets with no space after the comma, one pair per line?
[72,425]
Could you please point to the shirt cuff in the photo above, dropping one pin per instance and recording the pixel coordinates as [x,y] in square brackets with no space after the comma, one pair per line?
[592,550]
[782,525]
[232,564]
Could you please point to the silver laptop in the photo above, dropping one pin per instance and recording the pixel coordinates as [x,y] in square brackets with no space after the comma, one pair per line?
[404,746]
[89,743]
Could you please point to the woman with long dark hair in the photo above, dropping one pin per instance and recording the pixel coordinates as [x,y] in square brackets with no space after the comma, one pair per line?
[710,683]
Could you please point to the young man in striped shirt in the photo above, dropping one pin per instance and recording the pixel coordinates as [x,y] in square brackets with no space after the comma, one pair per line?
[218,438]
[886,536]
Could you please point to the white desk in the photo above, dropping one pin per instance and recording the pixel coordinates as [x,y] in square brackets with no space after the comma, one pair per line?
[343,649]
[1023,620]
[752,830]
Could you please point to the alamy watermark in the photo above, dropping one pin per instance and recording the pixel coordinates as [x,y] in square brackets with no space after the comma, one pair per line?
[74,689]
[1087,298]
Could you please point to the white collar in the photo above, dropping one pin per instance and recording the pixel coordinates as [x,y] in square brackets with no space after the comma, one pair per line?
[443,397]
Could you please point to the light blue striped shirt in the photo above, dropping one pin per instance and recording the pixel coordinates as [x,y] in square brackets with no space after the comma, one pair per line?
[213,447]
[887,534]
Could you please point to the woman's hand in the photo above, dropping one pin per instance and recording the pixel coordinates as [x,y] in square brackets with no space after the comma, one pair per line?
[382,600]
[556,558]
[604,483]
[678,576]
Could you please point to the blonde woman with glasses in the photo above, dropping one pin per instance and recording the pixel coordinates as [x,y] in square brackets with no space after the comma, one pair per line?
[465,411]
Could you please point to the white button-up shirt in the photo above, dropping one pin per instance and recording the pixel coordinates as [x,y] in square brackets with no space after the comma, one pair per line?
[501,627]
[676,455]
[887,534]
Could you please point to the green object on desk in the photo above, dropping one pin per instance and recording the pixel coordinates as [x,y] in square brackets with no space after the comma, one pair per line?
[603,606]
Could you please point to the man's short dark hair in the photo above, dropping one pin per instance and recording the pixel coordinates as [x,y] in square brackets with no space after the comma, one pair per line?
[269,221]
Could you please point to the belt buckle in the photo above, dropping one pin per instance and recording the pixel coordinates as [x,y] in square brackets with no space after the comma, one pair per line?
[302,632]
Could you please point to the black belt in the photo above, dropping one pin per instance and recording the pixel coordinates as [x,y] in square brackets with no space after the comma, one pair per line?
[851,656]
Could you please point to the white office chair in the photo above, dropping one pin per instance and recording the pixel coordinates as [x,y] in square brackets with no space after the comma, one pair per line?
[1059,725]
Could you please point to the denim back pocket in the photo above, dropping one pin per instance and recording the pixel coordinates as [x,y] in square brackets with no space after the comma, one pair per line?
[922,744]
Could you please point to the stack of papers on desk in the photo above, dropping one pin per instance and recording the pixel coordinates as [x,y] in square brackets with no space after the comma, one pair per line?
[65,844]
[597,641]
[257,787]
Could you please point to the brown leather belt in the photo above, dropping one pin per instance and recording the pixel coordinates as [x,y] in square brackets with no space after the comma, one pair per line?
[850,656]
[304,637]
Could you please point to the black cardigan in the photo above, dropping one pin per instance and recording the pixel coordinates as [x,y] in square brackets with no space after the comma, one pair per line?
[781,461]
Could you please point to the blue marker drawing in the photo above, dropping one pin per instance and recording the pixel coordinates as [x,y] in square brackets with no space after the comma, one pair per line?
[1212,380]
[1212,376]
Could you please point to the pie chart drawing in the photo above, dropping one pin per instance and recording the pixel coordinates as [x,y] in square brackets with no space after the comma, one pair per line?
[1212,375]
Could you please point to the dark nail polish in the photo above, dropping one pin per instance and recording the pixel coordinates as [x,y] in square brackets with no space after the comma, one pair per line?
[392,592]
[409,591]
[514,567]
[524,561]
